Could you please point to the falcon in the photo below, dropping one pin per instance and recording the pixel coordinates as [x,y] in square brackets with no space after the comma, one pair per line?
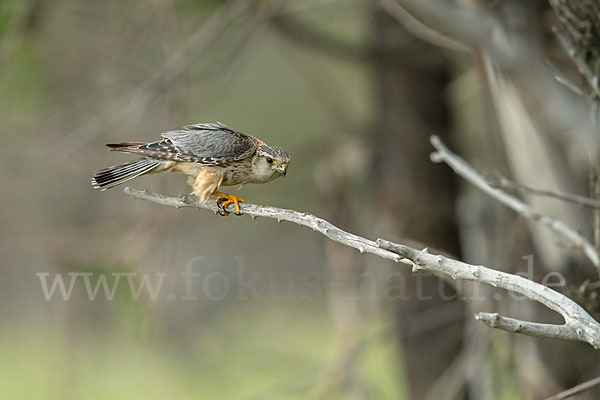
[213,155]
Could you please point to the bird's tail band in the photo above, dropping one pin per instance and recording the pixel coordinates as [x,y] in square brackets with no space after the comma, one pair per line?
[113,176]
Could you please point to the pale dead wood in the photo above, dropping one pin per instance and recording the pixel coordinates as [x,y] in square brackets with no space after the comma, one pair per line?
[582,387]
[579,325]
[462,168]
[503,183]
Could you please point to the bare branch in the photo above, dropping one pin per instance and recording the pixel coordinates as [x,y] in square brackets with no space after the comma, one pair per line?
[462,168]
[305,34]
[317,224]
[172,70]
[578,324]
[578,31]
[504,183]
[582,387]
[582,66]
[561,78]
[567,113]
[418,28]
[495,320]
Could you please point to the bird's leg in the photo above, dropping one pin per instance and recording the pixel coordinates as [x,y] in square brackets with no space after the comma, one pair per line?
[226,199]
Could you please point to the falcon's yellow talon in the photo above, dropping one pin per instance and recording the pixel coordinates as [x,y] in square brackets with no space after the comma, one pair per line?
[225,200]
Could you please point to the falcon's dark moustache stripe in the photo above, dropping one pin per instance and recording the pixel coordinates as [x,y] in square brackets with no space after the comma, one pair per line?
[113,176]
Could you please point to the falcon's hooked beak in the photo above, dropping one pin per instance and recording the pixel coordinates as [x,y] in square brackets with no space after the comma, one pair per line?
[282,169]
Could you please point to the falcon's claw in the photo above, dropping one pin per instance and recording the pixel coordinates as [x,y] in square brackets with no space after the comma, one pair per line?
[225,200]
[222,212]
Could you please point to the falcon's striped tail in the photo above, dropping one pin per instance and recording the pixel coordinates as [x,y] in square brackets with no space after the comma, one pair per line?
[113,176]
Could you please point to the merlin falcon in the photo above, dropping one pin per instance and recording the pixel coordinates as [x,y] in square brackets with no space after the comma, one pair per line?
[213,155]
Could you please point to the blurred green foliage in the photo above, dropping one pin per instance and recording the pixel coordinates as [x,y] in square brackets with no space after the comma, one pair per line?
[62,88]
[277,351]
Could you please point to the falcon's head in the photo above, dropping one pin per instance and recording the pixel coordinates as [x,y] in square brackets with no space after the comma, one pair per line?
[269,162]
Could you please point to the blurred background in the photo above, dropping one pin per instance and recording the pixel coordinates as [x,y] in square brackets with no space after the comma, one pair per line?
[204,307]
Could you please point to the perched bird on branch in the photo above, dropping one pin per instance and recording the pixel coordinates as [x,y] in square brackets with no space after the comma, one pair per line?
[213,155]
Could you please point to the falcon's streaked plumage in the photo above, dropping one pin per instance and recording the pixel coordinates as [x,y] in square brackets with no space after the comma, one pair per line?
[213,155]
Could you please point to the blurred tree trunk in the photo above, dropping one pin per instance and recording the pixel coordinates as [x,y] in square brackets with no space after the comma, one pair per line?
[535,158]
[414,196]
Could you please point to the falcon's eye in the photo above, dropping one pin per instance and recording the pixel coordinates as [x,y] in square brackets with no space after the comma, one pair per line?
[270,160]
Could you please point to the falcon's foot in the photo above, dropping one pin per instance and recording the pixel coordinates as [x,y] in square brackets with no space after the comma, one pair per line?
[226,199]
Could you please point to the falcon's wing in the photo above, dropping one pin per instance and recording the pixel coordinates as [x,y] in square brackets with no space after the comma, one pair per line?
[212,143]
